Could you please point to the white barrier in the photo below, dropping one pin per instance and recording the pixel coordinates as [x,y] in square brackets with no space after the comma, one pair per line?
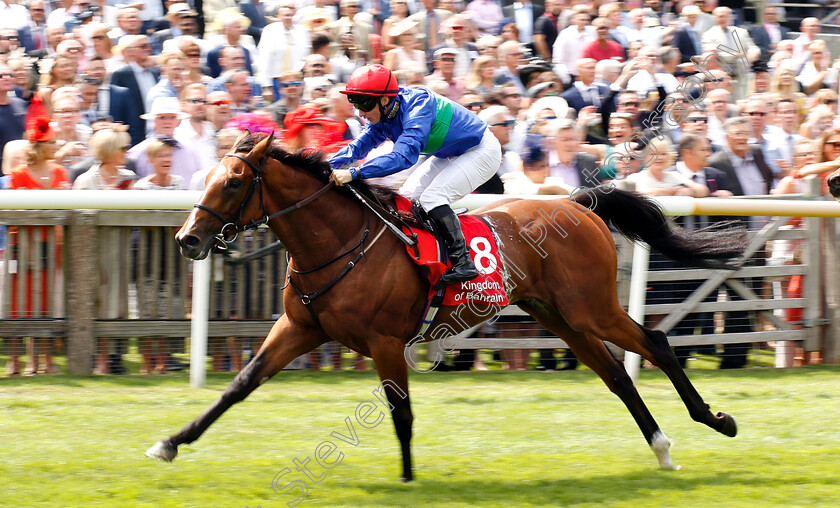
[184,200]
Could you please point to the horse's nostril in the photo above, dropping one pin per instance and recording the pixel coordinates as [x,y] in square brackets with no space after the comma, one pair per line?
[190,241]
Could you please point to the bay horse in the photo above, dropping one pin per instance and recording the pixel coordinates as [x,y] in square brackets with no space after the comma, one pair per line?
[358,286]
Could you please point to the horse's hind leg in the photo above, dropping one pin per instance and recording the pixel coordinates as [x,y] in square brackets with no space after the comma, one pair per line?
[653,346]
[594,353]
[285,342]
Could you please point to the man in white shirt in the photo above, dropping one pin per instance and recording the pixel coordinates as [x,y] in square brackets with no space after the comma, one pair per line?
[196,131]
[283,47]
[569,45]
[13,15]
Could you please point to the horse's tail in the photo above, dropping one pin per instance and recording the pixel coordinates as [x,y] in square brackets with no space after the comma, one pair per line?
[640,218]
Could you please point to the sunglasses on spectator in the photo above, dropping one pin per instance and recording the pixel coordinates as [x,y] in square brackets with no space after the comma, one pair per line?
[193,55]
[457,27]
[6,75]
[830,101]
[36,10]
[472,105]
[506,123]
[9,38]
[703,119]
[291,83]
[197,100]
[323,88]
[833,144]
[363,103]
[98,37]
[755,113]
[221,102]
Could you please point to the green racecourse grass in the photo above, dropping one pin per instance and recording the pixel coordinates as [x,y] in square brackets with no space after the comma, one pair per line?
[480,439]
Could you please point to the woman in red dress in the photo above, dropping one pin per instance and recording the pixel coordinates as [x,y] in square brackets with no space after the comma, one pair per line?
[39,172]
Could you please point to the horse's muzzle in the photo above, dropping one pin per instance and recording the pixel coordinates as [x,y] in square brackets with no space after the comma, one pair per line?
[834,184]
[191,247]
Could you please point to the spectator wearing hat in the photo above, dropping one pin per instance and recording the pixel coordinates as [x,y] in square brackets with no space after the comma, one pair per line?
[399,13]
[317,9]
[283,47]
[39,172]
[182,21]
[407,52]
[307,127]
[456,36]
[687,37]
[166,115]
[232,26]
[444,64]
[768,34]
[139,74]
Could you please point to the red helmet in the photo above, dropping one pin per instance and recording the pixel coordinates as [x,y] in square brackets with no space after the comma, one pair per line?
[373,79]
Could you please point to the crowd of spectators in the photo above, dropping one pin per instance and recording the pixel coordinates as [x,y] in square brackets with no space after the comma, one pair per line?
[148,94]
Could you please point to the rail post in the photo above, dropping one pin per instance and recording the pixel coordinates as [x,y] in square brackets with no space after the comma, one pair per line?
[82,289]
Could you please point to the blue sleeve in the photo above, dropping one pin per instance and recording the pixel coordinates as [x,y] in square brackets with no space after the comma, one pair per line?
[418,117]
[370,138]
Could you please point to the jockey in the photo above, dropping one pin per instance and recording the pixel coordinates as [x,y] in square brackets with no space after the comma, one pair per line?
[463,153]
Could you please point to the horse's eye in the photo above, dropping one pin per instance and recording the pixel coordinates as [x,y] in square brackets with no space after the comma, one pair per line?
[235,183]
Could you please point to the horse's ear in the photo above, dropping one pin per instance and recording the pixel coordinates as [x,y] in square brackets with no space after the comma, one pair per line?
[259,152]
[241,137]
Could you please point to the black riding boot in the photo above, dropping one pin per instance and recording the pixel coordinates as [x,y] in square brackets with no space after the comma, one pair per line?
[463,268]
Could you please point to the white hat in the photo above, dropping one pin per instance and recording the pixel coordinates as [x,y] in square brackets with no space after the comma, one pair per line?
[691,10]
[165,106]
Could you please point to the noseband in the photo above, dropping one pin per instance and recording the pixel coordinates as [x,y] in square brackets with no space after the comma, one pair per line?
[231,225]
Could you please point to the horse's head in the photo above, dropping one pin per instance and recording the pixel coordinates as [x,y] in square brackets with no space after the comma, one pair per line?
[834,184]
[224,208]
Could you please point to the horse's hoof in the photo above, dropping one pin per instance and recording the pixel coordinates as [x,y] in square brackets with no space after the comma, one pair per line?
[730,427]
[162,451]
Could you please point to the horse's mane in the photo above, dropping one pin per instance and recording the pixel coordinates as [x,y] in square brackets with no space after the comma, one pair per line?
[314,163]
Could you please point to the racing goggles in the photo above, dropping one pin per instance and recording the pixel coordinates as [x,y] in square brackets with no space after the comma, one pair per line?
[364,103]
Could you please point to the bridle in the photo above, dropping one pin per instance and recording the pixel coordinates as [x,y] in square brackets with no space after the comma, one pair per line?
[231,225]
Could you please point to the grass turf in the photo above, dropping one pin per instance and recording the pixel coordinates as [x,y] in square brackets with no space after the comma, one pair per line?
[480,439]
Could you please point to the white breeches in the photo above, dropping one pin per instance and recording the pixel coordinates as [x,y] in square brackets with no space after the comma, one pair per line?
[442,181]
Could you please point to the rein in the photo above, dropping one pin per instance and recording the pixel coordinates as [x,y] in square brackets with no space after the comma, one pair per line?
[232,225]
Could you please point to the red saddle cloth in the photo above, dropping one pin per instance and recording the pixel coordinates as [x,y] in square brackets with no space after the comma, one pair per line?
[488,288]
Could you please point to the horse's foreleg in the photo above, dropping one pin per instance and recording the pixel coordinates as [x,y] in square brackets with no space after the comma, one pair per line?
[285,342]
[594,354]
[388,356]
